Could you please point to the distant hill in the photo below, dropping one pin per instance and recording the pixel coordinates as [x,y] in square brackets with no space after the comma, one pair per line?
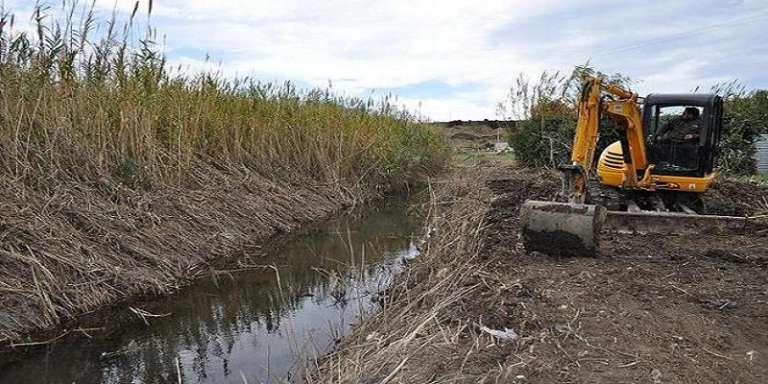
[475,134]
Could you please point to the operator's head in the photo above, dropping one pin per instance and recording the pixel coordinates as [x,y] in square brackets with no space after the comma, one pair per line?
[690,113]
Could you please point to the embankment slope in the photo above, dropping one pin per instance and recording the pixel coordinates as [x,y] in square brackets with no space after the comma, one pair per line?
[87,246]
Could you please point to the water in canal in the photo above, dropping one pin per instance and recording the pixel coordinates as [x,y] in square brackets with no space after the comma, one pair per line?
[261,325]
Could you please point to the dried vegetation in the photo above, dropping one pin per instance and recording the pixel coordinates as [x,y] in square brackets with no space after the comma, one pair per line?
[121,176]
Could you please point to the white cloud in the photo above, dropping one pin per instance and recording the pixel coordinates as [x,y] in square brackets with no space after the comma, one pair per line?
[447,109]
[363,45]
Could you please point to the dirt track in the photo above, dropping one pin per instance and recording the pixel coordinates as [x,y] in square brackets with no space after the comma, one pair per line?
[650,309]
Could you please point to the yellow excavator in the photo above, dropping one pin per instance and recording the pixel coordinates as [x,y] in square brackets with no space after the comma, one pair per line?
[644,183]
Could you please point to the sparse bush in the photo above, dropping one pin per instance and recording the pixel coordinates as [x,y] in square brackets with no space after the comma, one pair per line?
[548,110]
[744,118]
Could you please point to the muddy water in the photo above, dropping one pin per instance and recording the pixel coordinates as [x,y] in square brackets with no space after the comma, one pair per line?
[260,325]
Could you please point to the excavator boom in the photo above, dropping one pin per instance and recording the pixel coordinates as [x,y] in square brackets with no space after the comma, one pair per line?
[573,227]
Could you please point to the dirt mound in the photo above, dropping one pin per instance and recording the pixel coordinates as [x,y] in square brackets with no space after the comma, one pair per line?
[465,136]
[731,197]
[528,183]
[472,134]
[510,189]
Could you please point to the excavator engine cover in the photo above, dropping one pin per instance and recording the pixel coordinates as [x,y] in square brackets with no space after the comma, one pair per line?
[561,229]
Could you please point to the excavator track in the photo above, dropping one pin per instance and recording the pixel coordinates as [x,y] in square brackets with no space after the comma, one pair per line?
[660,212]
[676,223]
[608,197]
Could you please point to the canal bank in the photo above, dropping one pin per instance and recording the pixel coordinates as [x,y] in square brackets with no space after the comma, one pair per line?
[90,246]
[265,318]
[127,177]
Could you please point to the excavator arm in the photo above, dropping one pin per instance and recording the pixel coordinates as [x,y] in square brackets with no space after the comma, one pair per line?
[621,105]
[573,228]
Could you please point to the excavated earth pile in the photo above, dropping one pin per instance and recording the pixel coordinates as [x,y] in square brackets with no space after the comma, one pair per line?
[650,309]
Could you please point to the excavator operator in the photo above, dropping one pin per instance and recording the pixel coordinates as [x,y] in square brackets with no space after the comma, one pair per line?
[682,129]
[678,140]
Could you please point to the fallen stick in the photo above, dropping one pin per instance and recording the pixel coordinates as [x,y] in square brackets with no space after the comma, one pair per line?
[178,370]
[33,343]
[716,354]
[395,371]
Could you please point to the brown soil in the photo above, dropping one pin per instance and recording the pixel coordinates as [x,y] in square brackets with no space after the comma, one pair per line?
[79,248]
[676,309]
[649,309]
[736,198]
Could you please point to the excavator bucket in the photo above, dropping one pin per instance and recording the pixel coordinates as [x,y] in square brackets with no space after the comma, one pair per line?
[561,229]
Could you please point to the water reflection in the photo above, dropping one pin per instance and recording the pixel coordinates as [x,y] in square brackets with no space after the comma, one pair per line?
[246,326]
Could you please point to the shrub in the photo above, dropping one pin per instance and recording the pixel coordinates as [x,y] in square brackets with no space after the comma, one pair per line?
[745,117]
[548,109]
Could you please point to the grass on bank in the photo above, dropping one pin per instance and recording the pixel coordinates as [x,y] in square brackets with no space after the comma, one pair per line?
[79,100]
[759,179]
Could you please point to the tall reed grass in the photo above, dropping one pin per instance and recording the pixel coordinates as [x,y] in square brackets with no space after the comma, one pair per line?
[80,99]
[121,176]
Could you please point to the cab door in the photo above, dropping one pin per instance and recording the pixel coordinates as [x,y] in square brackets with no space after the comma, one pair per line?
[711,148]
[677,157]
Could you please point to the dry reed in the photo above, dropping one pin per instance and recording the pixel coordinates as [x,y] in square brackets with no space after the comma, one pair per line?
[418,320]
[123,177]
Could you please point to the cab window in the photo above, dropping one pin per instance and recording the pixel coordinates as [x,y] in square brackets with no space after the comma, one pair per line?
[674,134]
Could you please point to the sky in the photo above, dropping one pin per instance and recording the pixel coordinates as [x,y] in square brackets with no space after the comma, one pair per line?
[449,60]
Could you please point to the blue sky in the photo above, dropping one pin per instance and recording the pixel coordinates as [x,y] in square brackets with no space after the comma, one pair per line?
[456,60]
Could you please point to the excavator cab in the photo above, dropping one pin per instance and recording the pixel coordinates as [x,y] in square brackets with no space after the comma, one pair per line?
[675,161]
[681,156]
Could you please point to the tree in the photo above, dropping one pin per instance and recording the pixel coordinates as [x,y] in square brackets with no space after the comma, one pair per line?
[745,117]
[547,109]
